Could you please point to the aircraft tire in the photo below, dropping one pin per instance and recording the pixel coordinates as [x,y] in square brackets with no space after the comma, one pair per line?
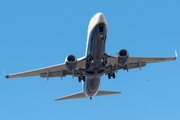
[79,79]
[109,76]
[113,75]
[83,78]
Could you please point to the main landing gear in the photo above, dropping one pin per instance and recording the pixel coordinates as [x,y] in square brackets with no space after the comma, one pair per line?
[81,78]
[111,75]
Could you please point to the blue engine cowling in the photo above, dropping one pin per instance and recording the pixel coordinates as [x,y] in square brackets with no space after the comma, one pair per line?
[123,56]
[71,62]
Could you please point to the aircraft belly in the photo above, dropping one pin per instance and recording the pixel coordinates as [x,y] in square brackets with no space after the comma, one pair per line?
[92,86]
[97,44]
[96,52]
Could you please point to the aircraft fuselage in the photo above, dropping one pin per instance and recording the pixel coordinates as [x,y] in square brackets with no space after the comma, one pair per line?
[95,52]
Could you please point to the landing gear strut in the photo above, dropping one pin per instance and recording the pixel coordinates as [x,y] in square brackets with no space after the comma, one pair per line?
[81,78]
[111,75]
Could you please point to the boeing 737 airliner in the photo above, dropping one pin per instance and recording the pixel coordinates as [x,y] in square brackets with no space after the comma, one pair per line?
[96,62]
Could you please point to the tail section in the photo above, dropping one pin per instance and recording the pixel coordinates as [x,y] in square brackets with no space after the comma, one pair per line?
[82,95]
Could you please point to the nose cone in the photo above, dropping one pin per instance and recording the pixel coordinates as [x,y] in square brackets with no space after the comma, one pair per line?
[100,17]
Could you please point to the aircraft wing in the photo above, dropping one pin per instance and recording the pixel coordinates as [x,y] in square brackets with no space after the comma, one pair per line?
[134,62]
[53,71]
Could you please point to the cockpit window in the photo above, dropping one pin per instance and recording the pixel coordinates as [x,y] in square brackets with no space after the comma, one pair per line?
[101,28]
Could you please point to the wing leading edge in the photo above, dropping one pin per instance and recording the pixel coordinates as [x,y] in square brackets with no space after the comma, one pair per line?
[134,62]
[53,71]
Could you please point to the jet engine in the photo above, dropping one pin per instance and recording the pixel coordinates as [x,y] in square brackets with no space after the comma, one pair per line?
[122,57]
[71,62]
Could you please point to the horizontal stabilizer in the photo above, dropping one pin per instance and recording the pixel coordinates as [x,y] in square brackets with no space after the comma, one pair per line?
[102,93]
[82,95]
[72,96]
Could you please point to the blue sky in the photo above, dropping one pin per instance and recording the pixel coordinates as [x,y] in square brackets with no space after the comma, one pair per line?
[35,34]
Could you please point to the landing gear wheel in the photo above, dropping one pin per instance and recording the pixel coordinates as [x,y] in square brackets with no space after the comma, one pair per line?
[113,75]
[79,79]
[83,78]
[109,76]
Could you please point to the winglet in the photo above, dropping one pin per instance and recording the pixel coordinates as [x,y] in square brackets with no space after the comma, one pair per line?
[7,76]
[175,55]
[3,72]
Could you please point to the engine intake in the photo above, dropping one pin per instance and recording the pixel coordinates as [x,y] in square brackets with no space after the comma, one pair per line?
[123,56]
[71,62]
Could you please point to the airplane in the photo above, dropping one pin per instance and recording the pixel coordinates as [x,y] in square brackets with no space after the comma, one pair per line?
[96,62]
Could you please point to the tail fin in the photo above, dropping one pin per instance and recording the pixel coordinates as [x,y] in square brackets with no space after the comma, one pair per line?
[82,95]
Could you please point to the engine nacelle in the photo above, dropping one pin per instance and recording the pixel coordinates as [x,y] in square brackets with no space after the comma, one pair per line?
[122,57]
[71,62]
